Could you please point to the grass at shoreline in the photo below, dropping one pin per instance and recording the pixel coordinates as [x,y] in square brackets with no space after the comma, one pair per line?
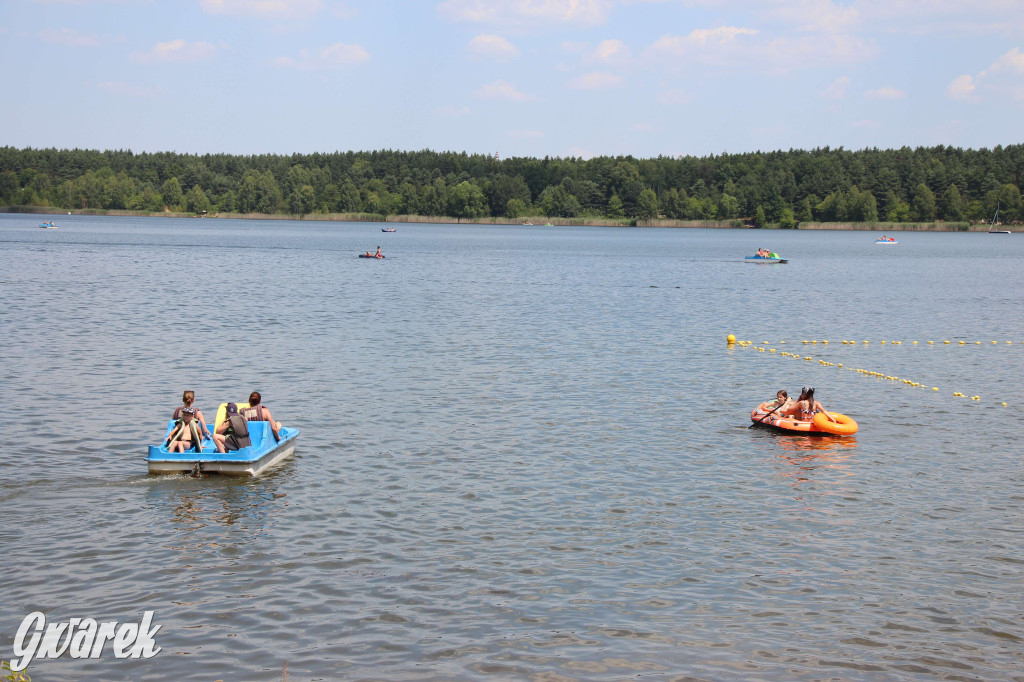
[534,220]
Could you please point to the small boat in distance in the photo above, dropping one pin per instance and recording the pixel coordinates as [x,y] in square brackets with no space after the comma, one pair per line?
[49,226]
[387,229]
[995,221]
[770,258]
[883,240]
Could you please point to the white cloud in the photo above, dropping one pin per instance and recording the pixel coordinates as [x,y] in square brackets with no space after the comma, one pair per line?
[596,80]
[492,46]
[816,16]
[885,93]
[943,17]
[692,45]
[611,52]
[177,51]
[269,9]
[1012,61]
[502,90]
[962,87]
[837,89]
[68,38]
[520,13]
[579,153]
[731,48]
[332,57]
[1002,78]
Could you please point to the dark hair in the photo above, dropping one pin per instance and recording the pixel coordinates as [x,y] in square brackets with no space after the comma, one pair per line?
[807,394]
[254,399]
[783,392]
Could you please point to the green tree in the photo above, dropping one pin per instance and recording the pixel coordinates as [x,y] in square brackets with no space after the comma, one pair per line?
[673,203]
[556,201]
[172,193]
[614,209]
[117,190]
[8,186]
[196,200]
[467,200]
[922,205]
[647,205]
[1009,200]
[804,213]
[348,198]
[760,219]
[787,219]
[502,189]
[861,206]
[951,205]
[516,208]
[302,200]
[729,206]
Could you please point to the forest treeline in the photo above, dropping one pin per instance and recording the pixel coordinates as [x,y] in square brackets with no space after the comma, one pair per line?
[780,187]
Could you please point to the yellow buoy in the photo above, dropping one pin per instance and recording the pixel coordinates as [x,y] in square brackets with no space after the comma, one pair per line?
[731,339]
[935,388]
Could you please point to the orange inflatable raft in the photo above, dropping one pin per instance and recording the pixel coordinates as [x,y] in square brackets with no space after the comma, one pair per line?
[820,424]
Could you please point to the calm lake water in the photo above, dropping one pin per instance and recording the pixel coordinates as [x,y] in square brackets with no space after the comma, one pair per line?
[524,451]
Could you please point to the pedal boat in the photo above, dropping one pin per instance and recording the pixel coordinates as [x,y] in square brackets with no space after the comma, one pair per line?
[819,426]
[264,453]
[775,258]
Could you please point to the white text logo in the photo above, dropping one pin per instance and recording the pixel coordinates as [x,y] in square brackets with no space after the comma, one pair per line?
[82,638]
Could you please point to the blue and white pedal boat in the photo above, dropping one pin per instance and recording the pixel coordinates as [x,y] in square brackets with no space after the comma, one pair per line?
[250,461]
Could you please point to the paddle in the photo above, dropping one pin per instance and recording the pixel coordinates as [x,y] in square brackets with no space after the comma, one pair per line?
[761,420]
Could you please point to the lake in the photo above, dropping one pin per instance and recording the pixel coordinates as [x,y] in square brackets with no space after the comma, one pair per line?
[524,451]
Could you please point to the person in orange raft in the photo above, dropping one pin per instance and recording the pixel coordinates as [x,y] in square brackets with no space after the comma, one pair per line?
[804,407]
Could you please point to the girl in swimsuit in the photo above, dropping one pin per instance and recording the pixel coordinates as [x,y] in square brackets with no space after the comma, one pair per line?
[805,406]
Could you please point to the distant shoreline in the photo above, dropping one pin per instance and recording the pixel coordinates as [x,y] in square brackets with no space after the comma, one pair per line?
[537,221]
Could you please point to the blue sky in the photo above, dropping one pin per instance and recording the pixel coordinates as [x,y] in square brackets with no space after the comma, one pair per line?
[516,77]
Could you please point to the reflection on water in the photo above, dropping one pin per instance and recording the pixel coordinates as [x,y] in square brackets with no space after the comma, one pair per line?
[246,504]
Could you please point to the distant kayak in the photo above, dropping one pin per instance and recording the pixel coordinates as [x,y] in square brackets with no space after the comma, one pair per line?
[774,258]
[363,255]
[886,242]
[387,229]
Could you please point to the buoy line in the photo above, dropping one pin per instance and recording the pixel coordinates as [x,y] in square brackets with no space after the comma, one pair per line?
[731,341]
[888,342]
